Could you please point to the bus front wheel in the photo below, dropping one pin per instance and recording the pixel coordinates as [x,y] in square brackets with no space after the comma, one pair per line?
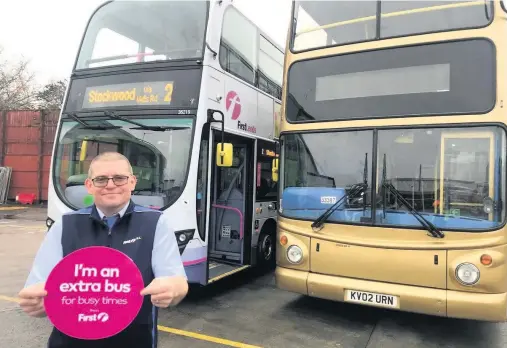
[266,253]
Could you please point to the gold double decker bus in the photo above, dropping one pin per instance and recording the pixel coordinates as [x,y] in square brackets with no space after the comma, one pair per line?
[392,172]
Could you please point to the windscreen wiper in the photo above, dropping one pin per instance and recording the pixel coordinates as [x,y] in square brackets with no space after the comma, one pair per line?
[88,126]
[354,191]
[432,229]
[139,125]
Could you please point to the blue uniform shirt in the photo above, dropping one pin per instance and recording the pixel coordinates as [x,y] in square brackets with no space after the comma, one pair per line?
[166,260]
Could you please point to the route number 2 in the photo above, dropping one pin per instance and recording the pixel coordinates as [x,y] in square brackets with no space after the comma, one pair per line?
[168,92]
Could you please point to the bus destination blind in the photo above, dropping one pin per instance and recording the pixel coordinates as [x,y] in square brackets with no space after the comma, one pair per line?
[129,94]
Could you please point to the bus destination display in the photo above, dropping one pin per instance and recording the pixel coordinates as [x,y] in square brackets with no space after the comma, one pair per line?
[129,94]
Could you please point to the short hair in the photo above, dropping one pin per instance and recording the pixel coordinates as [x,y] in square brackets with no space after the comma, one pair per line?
[109,156]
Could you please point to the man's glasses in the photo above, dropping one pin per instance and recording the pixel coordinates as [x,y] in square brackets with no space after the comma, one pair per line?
[102,181]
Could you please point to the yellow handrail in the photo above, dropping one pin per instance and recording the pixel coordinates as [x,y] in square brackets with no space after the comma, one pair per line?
[392,14]
[84,148]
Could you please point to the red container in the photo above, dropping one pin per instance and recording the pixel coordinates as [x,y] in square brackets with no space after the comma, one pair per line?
[26,142]
[26,198]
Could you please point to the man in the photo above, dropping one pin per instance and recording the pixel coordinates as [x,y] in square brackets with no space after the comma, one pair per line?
[112,219]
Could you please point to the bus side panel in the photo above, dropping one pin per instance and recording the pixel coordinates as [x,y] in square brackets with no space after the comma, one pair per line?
[246,109]
[196,267]
[195,256]
[240,104]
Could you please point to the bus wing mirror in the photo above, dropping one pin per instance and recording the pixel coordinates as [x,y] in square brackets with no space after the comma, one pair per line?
[224,155]
[274,170]
[224,150]
[211,50]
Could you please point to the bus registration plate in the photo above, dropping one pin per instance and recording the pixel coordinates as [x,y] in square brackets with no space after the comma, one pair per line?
[370,298]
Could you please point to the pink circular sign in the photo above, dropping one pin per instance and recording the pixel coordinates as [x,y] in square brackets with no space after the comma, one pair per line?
[93,293]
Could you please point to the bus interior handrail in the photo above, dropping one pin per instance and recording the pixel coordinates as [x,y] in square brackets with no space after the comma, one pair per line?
[237,211]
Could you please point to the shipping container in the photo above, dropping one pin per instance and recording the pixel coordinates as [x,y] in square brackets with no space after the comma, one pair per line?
[26,142]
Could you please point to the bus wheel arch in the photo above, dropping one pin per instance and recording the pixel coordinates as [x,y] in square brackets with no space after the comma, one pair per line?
[266,246]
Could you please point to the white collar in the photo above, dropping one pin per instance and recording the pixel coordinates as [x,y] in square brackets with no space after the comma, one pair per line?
[121,212]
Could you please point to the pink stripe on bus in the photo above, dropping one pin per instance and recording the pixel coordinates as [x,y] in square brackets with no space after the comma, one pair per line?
[194,262]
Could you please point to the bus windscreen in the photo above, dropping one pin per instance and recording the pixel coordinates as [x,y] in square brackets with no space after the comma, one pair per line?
[453,176]
[128,32]
[330,23]
[159,157]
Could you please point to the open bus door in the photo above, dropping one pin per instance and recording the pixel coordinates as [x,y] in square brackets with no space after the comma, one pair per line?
[231,204]
[231,197]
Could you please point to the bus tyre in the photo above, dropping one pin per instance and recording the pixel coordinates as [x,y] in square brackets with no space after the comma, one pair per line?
[266,253]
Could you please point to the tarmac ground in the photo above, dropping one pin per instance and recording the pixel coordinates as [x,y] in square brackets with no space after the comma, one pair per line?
[245,310]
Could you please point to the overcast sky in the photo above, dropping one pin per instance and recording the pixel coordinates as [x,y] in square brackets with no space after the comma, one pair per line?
[48,32]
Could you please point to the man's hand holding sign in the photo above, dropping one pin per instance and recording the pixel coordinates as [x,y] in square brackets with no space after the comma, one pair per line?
[166,291]
[32,300]
[101,271]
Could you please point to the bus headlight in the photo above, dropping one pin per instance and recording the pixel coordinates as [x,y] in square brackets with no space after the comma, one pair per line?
[49,222]
[467,273]
[294,254]
[184,236]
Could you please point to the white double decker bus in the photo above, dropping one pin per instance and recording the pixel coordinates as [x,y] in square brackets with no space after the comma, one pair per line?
[190,93]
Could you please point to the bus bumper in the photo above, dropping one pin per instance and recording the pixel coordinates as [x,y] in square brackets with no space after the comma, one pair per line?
[438,302]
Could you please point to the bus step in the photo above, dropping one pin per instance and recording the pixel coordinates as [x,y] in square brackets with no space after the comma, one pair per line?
[218,270]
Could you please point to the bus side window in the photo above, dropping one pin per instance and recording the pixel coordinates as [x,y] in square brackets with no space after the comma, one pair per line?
[202,187]
[270,69]
[247,54]
[267,189]
[238,46]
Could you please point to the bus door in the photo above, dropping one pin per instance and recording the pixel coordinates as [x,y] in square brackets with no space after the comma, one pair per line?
[231,202]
